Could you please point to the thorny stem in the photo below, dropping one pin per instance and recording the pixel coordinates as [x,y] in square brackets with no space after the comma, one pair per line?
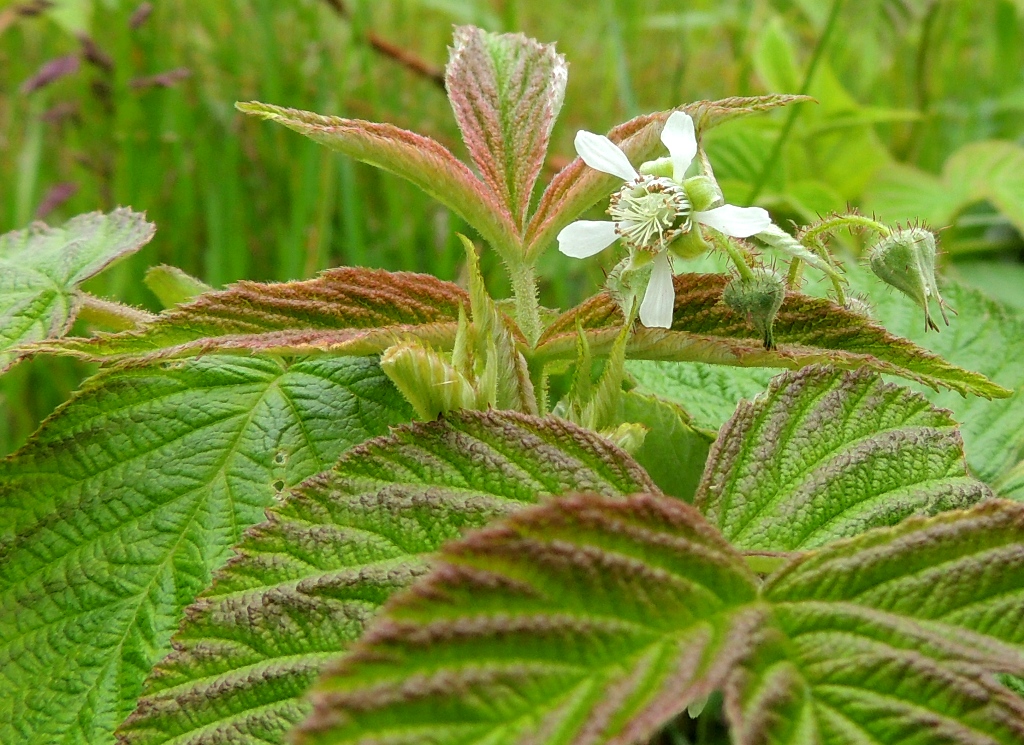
[796,272]
[850,222]
[819,49]
[736,255]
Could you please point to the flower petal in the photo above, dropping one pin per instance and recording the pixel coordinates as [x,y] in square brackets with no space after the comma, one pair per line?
[679,137]
[660,298]
[603,155]
[585,238]
[739,222]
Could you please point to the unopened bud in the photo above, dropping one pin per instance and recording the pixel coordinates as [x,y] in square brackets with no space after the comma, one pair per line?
[759,299]
[905,259]
[427,380]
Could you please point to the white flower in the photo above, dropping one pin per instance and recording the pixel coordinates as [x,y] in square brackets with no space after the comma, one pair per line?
[649,212]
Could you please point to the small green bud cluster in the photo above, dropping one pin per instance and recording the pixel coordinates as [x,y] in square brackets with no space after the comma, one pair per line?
[905,259]
[759,298]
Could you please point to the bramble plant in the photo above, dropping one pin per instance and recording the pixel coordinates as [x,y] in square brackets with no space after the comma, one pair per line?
[237,531]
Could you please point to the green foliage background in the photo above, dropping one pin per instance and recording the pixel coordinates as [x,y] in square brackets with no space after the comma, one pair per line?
[904,86]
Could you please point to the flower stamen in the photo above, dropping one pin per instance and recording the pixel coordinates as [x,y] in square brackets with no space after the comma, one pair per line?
[650,212]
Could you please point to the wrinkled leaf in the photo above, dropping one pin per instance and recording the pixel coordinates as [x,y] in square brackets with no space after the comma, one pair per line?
[585,620]
[893,638]
[305,583]
[116,513]
[351,311]
[506,91]
[826,454]
[418,159]
[807,330]
[41,268]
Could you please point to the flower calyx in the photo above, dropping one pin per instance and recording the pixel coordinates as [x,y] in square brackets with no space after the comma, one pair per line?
[759,297]
[905,259]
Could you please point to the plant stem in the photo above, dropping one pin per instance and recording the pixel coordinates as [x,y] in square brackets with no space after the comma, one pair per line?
[812,67]
[736,255]
[843,221]
[524,288]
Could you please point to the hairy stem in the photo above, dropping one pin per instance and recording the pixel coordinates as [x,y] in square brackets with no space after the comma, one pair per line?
[736,255]
[524,288]
[850,222]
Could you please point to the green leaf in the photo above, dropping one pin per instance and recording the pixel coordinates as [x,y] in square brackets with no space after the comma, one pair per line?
[593,620]
[807,330]
[305,583]
[826,454]
[893,638]
[41,269]
[506,91]
[577,188]
[115,514]
[418,159]
[586,620]
[673,452]
[985,335]
[172,286]
[350,311]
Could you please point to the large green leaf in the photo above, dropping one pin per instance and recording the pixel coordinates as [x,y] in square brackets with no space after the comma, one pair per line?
[807,330]
[826,454]
[305,583]
[117,511]
[421,160]
[41,269]
[350,311]
[506,91]
[985,336]
[591,620]
[586,620]
[892,638]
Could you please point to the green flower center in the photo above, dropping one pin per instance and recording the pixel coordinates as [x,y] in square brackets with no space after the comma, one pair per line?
[650,212]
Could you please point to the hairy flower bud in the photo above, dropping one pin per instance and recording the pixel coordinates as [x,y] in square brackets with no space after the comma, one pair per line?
[759,299]
[905,259]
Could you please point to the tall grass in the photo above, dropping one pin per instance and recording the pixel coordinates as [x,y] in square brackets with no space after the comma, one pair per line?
[234,197]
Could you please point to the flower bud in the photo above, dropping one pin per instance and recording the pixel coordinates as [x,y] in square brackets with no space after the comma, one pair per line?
[702,193]
[905,259]
[759,299]
[428,381]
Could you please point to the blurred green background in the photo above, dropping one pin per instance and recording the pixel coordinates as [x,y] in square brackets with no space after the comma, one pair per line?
[113,102]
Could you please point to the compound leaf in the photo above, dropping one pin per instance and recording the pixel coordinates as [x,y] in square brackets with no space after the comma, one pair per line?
[588,619]
[506,91]
[350,311]
[304,583]
[114,515]
[418,159]
[41,269]
[826,454]
[807,330]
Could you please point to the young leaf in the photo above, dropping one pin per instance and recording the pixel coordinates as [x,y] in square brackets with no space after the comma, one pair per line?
[421,160]
[807,330]
[115,514]
[586,620]
[577,188]
[41,269]
[826,454]
[304,584]
[892,638]
[506,91]
[349,311]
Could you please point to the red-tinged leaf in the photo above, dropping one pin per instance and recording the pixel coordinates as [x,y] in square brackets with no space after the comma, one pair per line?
[807,331]
[586,620]
[304,583]
[577,188]
[345,311]
[506,91]
[419,159]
